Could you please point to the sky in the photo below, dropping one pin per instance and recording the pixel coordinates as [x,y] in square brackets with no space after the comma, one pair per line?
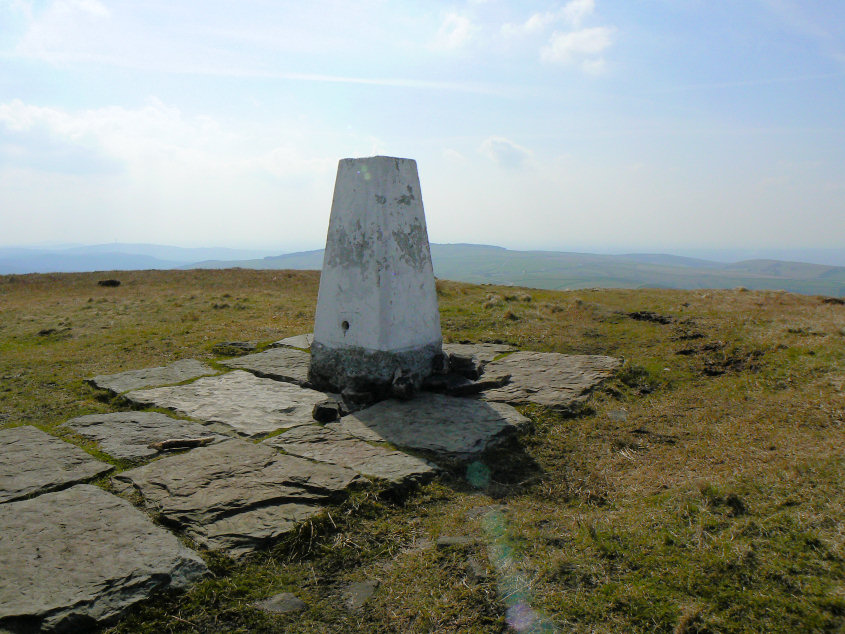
[596,125]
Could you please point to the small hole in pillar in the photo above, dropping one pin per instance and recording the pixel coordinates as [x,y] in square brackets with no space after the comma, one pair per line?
[345,326]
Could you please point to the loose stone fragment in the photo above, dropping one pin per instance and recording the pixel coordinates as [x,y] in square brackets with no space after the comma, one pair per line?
[328,411]
[248,404]
[236,496]
[283,364]
[446,541]
[557,381]
[76,559]
[175,372]
[128,435]
[335,447]
[33,462]
[298,341]
[281,603]
[455,428]
[358,593]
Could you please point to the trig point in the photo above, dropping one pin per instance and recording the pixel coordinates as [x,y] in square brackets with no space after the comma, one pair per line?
[377,315]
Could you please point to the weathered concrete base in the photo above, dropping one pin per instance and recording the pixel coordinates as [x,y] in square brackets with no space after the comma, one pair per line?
[236,496]
[33,462]
[362,370]
[454,428]
[78,558]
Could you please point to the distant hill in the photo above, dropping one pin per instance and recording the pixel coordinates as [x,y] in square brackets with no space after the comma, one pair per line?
[476,263]
[484,264]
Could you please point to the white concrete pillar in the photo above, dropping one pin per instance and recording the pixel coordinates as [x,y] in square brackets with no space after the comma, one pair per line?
[377,306]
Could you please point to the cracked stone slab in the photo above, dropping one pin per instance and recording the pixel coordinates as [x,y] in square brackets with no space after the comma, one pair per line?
[236,496]
[241,401]
[76,559]
[550,379]
[455,428]
[34,462]
[297,341]
[336,447]
[169,374]
[282,364]
[483,352]
[126,435]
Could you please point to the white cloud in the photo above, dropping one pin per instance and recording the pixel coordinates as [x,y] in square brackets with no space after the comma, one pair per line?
[572,13]
[505,153]
[455,32]
[576,10]
[583,47]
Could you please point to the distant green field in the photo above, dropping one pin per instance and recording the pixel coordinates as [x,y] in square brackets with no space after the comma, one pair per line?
[553,270]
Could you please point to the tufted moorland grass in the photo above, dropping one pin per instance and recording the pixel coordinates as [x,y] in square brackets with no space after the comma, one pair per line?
[700,490]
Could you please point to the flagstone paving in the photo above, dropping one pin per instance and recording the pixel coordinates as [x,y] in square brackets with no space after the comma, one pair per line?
[248,404]
[556,381]
[127,435]
[170,374]
[297,341]
[451,427]
[336,447]
[33,462]
[283,364]
[77,558]
[236,496]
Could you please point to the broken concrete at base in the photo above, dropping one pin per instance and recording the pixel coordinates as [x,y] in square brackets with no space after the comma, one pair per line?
[236,496]
[557,381]
[282,364]
[127,435]
[248,404]
[170,374]
[377,309]
[454,428]
[335,447]
[34,462]
[78,558]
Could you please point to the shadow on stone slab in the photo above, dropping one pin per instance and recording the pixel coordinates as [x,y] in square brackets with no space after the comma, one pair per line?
[34,462]
[248,404]
[236,496]
[77,559]
[449,427]
[127,435]
[281,364]
[170,374]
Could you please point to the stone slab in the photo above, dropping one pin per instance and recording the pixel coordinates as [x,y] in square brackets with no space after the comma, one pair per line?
[34,462]
[76,559]
[484,352]
[175,372]
[557,381]
[282,364]
[248,404]
[455,428]
[126,435]
[281,603]
[298,341]
[236,496]
[335,447]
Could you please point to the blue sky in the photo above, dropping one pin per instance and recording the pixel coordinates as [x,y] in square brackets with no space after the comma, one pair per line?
[591,124]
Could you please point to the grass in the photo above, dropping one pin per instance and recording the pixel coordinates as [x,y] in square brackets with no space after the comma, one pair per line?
[700,490]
